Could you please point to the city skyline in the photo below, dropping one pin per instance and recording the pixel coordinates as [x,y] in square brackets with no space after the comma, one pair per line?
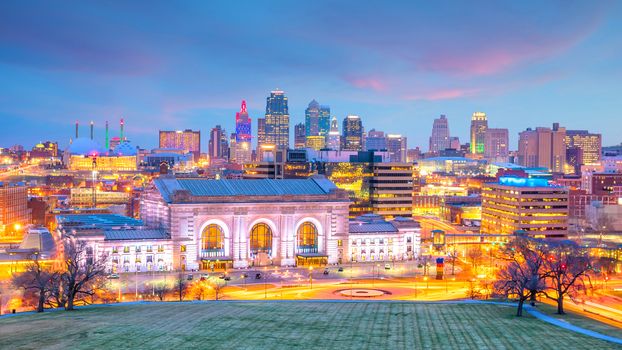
[534,71]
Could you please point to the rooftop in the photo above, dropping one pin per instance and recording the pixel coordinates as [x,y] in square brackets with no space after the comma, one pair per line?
[96,221]
[243,187]
[134,235]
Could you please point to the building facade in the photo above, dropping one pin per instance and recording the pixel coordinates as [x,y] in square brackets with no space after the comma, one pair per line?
[188,140]
[531,205]
[333,138]
[300,139]
[372,238]
[397,146]
[242,149]
[479,125]
[14,211]
[244,223]
[543,148]
[440,139]
[496,143]
[352,133]
[277,120]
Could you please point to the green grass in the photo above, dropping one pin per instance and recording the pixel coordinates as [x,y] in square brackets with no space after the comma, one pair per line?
[302,325]
[580,321]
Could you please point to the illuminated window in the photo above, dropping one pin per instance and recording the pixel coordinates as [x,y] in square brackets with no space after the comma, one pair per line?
[213,238]
[307,238]
[182,248]
[261,239]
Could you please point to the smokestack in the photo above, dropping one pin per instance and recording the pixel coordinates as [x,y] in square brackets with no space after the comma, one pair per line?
[122,123]
[76,129]
[91,129]
[107,140]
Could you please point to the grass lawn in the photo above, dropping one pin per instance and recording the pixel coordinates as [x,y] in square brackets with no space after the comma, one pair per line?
[303,325]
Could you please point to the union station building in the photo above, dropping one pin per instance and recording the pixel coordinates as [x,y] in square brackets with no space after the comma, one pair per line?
[215,224]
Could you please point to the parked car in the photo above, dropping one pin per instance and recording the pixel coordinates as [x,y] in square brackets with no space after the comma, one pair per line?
[387,266]
[257,276]
[227,278]
[325,272]
[340,269]
[113,276]
[204,277]
[190,277]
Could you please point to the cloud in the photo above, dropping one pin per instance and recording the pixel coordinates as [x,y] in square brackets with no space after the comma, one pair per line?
[374,84]
[443,94]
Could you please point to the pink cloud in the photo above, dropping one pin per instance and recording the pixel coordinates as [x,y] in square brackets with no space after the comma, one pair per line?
[443,94]
[367,83]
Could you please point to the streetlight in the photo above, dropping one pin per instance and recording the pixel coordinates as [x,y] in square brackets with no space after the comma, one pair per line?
[427,284]
[265,286]
[311,276]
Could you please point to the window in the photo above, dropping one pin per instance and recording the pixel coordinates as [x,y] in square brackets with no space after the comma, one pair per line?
[339,243]
[261,239]
[149,249]
[160,249]
[115,250]
[213,238]
[126,249]
[409,239]
[137,249]
[182,248]
[149,258]
[307,238]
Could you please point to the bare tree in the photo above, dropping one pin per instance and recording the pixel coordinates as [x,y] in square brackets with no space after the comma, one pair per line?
[37,282]
[180,285]
[474,255]
[217,288]
[82,272]
[160,290]
[566,268]
[199,289]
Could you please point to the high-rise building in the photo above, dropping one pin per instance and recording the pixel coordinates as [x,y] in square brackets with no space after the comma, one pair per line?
[312,119]
[352,133]
[479,125]
[543,148]
[241,149]
[454,143]
[397,146]
[440,139]
[218,144]
[333,138]
[300,138]
[375,140]
[391,189]
[531,205]
[324,121]
[14,211]
[277,120]
[188,140]
[496,145]
[583,147]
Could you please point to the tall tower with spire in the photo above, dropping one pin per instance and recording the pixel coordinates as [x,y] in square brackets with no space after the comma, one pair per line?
[242,150]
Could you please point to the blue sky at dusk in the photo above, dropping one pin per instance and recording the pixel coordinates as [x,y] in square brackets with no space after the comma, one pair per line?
[176,65]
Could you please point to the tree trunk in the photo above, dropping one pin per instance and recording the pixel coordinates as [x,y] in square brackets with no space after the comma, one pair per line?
[533,298]
[560,305]
[519,310]
[41,302]
[69,305]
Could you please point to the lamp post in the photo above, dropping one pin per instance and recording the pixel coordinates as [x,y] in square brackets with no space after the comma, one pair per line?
[427,283]
[311,277]
[265,285]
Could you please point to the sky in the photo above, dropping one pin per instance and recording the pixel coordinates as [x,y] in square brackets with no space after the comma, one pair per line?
[166,65]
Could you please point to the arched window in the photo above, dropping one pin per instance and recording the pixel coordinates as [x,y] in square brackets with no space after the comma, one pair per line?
[213,241]
[261,239]
[307,238]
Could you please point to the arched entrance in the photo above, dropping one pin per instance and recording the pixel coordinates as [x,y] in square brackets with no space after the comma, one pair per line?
[261,244]
[307,251]
[213,249]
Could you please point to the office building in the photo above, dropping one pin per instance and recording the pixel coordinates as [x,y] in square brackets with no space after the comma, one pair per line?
[440,138]
[218,144]
[391,189]
[333,139]
[277,120]
[496,143]
[396,146]
[14,211]
[373,238]
[240,146]
[582,147]
[187,140]
[352,133]
[543,148]
[375,141]
[479,125]
[530,205]
[300,138]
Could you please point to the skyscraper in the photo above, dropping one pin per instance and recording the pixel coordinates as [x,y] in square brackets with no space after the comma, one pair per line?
[312,119]
[543,147]
[188,140]
[352,134]
[324,121]
[218,144]
[397,146]
[440,139]
[333,138]
[241,148]
[299,136]
[496,145]
[277,120]
[479,125]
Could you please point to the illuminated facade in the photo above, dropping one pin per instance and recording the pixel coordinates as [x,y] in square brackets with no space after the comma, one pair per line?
[103,163]
[543,148]
[525,204]
[391,189]
[300,139]
[14,211]
[241,149]
[316,142]
[479,125]
[81,197]
[582,147]
[333,137]
[244,223]
[277,120]
[372,238]
[188,140]
[352,134]
[496,143]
